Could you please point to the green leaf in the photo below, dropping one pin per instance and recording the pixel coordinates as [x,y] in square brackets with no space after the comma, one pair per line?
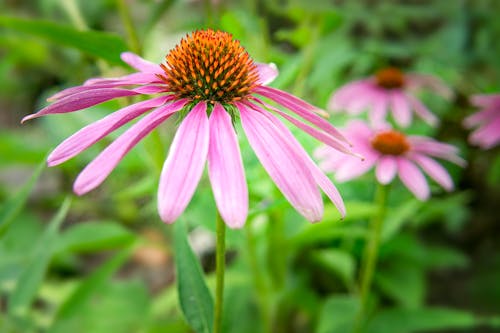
[82,294]
[420,320]
[14,205]
[94,236]
[338,262]
[194,296]
[397,217]
[30,279]
[99,44]
[338,315]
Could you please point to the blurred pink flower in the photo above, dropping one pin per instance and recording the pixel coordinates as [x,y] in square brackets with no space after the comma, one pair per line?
[392,89]
[390,153]
[210,81]
[487,121]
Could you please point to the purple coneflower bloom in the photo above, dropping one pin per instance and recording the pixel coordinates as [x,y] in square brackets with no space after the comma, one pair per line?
[390,153]
[487,121]
[392,89]
[210,81]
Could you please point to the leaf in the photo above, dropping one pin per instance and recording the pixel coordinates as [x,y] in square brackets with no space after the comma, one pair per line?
[194,296]
[94,236]
[82,294]
[420,320]
[397,217]
[14,205]
[339,262]
[338,315]
[30,279]
[99,44]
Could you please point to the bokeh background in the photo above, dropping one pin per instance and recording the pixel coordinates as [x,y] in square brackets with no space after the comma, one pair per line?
[104,262]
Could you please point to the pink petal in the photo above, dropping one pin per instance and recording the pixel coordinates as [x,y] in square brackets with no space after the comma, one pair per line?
[283,162]
[92,133]
[80,101]
[315,133]
[400,108]
[184,165]
[422,111]
[301,108]
[379,109]
[267,73]
[225,169]
[488,135]
[434,170]
[387,168]
[413,179]
[97,170]
[353,168]
[140,64]
[415,80]
[342,97]
[428,146]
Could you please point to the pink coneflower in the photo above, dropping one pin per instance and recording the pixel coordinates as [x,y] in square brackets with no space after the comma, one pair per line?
[210,81]
[487,121]
[391,153]
[392,89]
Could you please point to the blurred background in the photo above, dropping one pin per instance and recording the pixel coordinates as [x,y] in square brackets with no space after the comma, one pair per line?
[104,262]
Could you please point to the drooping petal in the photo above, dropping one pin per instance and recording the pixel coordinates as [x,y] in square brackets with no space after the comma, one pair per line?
[184,165]
[428,146]
[401,109]
[283,162]
[315,133]
[267,73]
[80,101]
[302,109]
[140,64]
[386,169]
[487,135]
[413,179]
[94,132]
[434,170]
[225,169]
[97,170]
[422,111]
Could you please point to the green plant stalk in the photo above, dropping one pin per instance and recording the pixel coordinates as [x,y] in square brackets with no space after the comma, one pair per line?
[371,250]
[132,39]
[220,261]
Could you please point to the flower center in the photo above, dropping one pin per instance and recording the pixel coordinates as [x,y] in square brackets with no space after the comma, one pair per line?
[209,66]
[390,143]
[390,78]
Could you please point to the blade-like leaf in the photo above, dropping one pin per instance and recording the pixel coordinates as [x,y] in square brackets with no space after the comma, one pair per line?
[99,44]
[13,206]
[28,283]
[194,296]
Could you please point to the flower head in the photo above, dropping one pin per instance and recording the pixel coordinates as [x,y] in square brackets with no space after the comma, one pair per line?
[486,121]
[392,153]
[210,81]
[388,89]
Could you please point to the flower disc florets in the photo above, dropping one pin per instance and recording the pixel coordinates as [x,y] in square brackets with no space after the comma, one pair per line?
[210,66]
[390,143]
[390,78]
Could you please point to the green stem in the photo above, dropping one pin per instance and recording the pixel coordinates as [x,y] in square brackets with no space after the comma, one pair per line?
[371,251]
[220,260]
[126,18]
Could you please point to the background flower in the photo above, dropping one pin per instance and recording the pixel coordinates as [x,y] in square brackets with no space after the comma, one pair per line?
[389,89]
[392,153]
[486,121]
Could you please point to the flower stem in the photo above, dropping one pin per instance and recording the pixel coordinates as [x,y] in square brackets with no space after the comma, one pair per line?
[371,251]
[220,260]
[126,18]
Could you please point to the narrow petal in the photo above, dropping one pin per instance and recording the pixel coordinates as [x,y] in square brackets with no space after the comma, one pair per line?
[315,133]
[379,110]
[423,80]
[488,135]
[184,165]
[80,101]
[341,98]
[428,146]
[283,162]
[434,170]
[140,64]
[94,132]
[422,111]
[267,73]
[302,109]
[401,109]
[97,170]
[413,179]
[387,168]
[225,169]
